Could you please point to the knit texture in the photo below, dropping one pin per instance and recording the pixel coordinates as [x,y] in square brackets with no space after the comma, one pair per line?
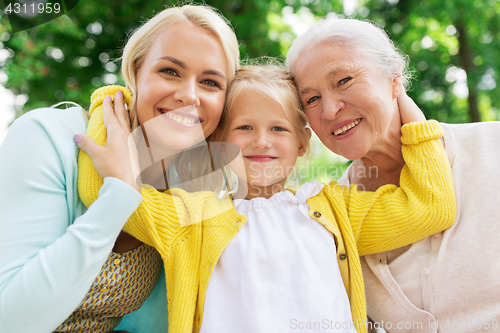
[88,188]
[176,223]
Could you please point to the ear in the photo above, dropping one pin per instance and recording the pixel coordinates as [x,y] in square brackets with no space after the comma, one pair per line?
[302,150]
[396,86]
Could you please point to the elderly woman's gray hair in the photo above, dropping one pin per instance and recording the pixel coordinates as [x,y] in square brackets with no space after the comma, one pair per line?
[365,38]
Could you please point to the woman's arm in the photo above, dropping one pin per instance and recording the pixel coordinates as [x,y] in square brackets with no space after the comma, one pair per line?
[50,253]
[105,152]
[425,203]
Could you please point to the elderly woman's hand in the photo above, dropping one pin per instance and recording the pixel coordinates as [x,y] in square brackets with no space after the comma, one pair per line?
[408,110]
[117,158]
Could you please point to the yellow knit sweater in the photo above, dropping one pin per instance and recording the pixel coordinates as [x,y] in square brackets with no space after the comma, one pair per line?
[361,222]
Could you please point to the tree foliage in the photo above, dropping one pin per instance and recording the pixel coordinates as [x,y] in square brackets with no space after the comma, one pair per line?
[67,58]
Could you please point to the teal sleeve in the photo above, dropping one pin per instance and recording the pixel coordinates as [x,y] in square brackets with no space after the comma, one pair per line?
[51,247]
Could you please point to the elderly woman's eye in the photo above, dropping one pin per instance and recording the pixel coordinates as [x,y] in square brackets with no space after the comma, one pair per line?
[345,80]
[312,99]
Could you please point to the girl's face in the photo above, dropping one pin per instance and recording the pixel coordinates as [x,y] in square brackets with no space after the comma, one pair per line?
[269,143]
[183,79]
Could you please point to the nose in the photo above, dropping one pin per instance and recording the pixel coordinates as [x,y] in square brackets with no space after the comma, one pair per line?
[331,107]
[261,141]
[187,92]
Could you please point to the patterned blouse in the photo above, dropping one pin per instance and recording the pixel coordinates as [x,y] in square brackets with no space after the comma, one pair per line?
[124,283]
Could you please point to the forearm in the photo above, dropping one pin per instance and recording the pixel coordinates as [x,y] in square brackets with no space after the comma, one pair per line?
[52,267]
[423,205]
[49,252]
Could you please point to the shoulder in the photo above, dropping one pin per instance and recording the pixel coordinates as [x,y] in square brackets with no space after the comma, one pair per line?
[476,129]
[57,120]
[471,133]
[46,129]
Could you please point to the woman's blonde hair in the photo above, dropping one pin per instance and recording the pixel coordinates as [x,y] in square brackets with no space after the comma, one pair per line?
[139,43]
[273,80]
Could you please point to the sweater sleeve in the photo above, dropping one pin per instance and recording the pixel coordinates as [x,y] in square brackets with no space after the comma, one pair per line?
[159,214]
[51,250]
[425,203]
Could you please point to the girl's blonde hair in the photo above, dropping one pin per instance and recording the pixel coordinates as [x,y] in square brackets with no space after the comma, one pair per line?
[139,43]
[274,81]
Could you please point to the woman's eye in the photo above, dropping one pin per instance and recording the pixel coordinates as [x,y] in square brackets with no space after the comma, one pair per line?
[278,128]
[169,71]
[345,80]
[312,99]
[211,83]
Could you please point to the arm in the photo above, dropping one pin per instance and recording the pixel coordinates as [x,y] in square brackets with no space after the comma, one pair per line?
[105,152]
[425,203]
[50,253]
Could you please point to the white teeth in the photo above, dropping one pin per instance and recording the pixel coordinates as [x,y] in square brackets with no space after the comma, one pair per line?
[347,127]
[179,119]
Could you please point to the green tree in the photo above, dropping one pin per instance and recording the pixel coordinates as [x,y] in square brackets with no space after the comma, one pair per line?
[68,58]
[441,37]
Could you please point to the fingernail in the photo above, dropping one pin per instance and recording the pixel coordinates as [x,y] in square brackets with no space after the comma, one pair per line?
[78,138]
[108,98]
[121,93]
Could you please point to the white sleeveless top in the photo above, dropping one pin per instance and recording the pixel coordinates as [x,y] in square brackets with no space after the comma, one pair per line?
[279,274]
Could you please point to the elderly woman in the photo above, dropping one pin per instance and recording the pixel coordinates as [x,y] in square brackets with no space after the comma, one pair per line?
[349,75]
[64,268]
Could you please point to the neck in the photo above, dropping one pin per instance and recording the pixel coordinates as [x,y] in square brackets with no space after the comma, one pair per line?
[249,191]
[382,164]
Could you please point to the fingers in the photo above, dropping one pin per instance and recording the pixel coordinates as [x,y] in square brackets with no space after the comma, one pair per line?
[121,111]
[408,110]
[86,144]
[108,112]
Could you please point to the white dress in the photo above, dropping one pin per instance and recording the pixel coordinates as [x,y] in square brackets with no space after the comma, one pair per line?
[279,274]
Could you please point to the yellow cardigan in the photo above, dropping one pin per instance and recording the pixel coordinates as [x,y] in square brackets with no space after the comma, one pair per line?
[361,222]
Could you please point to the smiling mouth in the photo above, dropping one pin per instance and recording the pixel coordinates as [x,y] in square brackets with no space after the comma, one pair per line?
[178,118]
[347,127]
[261,158]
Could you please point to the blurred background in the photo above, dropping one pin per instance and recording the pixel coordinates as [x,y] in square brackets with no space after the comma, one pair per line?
[454,47]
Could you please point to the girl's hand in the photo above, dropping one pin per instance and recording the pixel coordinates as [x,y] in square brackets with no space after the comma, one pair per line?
[114,159]
[408,110]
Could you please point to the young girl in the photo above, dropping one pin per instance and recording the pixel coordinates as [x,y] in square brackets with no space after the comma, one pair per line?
[265,263]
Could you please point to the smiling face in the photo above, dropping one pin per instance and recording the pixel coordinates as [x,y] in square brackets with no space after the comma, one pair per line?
[183,79]
[350,104]
[268,141]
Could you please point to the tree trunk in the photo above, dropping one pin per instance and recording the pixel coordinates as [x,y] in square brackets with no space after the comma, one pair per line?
[466,57]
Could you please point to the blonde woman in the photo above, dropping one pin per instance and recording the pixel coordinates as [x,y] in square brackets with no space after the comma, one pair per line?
[63,267]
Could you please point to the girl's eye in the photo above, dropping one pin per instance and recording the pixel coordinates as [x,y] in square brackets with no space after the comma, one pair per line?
[211,83]
[169,71]
[278,128]
[345,80]
[312,99]
[244,127]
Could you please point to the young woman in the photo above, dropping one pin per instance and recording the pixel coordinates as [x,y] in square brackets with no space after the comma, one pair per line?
[66,268]
[263,263]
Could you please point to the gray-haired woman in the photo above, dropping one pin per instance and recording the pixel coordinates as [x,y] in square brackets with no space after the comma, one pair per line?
[348,73]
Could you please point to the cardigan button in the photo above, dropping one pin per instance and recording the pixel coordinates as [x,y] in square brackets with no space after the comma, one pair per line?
[342,256]
[317,214]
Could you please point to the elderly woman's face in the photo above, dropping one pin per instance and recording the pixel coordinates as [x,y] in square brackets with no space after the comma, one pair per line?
[350,104]
[183,79]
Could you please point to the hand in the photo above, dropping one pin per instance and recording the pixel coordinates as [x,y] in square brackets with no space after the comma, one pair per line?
[114,159]
[408,110]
